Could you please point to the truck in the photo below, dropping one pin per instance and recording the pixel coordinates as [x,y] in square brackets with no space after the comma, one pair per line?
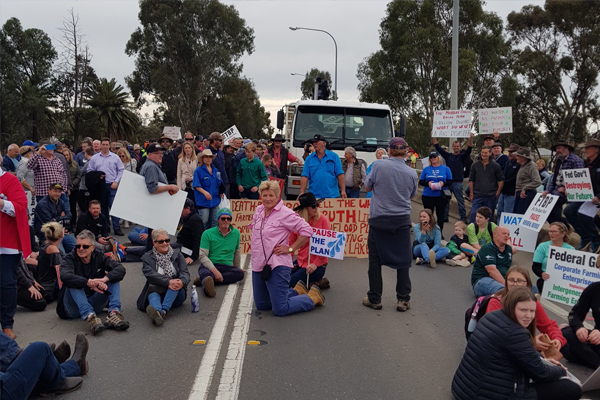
[363,126]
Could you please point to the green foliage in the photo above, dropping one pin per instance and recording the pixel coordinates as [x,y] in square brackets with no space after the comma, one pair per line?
[308,84]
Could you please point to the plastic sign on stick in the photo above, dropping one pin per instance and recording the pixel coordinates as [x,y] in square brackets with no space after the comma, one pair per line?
[230,134]
[328,243]
[523,239]
[452,124]
[538,211]
[578,184]
[495,120]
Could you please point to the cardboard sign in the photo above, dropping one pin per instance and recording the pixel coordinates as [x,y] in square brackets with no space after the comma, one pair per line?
[452,124]
[538,211]
[173,132]
[425,162]
[523,239]
[570,271]
[349,216]
[134,203]
[578,184]
[280,182]
[328,243]
[230,134]
[495,120]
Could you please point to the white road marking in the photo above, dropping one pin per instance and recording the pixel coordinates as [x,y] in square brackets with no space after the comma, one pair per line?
[548,305]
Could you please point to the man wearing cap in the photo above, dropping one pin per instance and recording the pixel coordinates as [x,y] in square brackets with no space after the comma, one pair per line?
[497,156]
[565,159]
[190,231]
[52,208]
[394,184]
[485,183]
[528,180]
[47,170]
[583,224]
[281,156]
[323,172]
[11,159]
[219,255]
[506,201]
[169,164]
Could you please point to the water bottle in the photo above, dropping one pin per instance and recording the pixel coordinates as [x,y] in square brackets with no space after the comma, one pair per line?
[472,322]
[195,306]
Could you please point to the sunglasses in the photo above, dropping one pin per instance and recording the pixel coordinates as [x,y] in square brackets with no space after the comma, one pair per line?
[314,206]
[218,140]
[189,138]
[164,141]
[83,246]
[163,241]
[225,218]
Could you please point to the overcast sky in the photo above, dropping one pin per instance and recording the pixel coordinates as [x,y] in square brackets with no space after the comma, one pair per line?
[278,50]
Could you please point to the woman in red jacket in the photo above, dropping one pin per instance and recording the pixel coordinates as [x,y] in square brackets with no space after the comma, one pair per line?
[515,277]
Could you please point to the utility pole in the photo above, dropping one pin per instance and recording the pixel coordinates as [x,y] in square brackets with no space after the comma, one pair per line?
[454,74]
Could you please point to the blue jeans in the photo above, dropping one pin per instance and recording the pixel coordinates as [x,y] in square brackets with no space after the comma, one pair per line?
[68,243]
[8,288]
[506,204]
[247,194]
[77,304]
[486,286]
[487,201]
[458,191]
[300,275]
[352,194]
[583,225]
[208,216]
[276,294]
[134,236]
[107,203]
[422,251]
[172,299]
[521,205]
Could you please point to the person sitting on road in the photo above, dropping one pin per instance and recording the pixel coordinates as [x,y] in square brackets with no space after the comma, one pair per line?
[94,221]
[138,236]
[219,255]
[501,361]
[308,209]
[479,233]
[91,282]
[52,208]
[29,291]
[167,278]
[50,258]
[427,247]
[459,257]
[492,263]
[559,237]
[190,232]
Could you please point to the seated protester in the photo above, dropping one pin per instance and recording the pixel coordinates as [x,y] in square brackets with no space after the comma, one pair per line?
[190,232]
[492,263]
[459,257]
[138,236]
[91,282]
[167,278]
[52,208]
[427,247]
[559,236]
[501,362]
[250,173]
[479,232]
[519,277]
[49,260]
[308,209]
[28,290]
[94,221]
[219,255]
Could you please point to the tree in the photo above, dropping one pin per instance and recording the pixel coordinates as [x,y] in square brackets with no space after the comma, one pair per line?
[308,84]
[184,49]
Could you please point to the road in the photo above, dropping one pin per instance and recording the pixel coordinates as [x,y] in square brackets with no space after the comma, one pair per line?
[340,351]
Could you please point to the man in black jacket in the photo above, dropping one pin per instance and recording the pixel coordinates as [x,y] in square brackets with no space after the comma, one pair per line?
[190,233]
[94,221]
[506,201]
[91,281]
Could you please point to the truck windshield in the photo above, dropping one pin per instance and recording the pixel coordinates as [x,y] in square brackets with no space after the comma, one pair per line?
[364,129]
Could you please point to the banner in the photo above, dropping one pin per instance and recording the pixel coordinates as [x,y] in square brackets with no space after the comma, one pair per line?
[523,239]
[173,132]
[495,120]
[349,216]
[538,211]
[452,123]
[570,271]
[281,184]
[328,243]
[230,134]
[578,184]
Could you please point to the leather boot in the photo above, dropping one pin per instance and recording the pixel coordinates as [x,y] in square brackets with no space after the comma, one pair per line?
[80,352]
[62,352]
[316,296]
[70,384]
[301,288]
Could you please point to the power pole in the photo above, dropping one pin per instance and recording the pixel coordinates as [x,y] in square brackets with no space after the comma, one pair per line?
[454,74]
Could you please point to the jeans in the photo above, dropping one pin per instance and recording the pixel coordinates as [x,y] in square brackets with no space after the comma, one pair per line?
[437,205]
[422,251]
[8,288]
[107,202]
[134,236]
[486,201]
[300,275]
[506,203]
[68,243]
[173,298]
[521,205]
[208,216]
[247,194]
[486,286]
[78,304]
[230,273]
[276,294]
[352,194]
[582,224]
[457,190]
[403,284]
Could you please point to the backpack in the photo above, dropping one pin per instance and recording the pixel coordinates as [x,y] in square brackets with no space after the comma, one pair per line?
[489,229]
[474,314]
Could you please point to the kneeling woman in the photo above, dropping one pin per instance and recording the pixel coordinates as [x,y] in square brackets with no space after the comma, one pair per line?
[500,359]
[271,256]
[427,247]
[167,278]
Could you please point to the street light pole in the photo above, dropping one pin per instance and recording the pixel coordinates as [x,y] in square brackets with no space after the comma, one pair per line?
[454,73]
[295,28]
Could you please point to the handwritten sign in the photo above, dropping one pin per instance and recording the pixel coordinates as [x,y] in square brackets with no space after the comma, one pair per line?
[173,132]
[328,243]
[230,134]
[570,271]
[578,184]
[452,123]
[349,216]
[523,238]
[280,182]
[495,120]
[538,211]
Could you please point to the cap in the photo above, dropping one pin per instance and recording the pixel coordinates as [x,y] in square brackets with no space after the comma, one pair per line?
[197,138]
[497,144]
[224,211]
[29,143]
[247,141]
[488,137]
[153,148]
[434,154]
[398,143]
[189,204]
[180,141]
[318,138]
[136,147]
[215,136]
[55,186]
[207,137]
[118,145]
[513,147]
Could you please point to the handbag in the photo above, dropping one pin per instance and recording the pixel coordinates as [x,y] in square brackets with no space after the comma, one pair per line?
[445,193]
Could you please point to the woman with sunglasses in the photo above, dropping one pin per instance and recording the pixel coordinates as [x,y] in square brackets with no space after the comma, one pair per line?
[167,278]
[559,236]
[308,209]
[186,166]
[208,187]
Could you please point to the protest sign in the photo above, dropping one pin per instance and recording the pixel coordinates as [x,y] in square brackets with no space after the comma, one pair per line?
[495,120]
[425,162]
[231,134]
[328,243]
[349,216]
[280,182]
[452,123]
[570,271]
[31,203]
[173,132]
[134,203]
[523,239]
[589,209]
[538,211]
[578,184]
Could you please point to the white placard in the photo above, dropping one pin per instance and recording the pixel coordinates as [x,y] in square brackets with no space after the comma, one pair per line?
[589,209]
[571,271]
[173,132]
[134,203]
[425,162]
[523,239]
[495,120]
[230,134]
[328,243]
[578,185]
[452,123]
[538,211]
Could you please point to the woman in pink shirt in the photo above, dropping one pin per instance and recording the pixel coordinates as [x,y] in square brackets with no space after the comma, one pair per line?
[308,209]
[271,256]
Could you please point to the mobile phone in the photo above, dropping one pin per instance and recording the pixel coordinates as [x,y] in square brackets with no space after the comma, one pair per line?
[50,147]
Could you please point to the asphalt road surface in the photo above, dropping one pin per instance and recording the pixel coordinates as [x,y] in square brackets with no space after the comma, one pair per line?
[340,351]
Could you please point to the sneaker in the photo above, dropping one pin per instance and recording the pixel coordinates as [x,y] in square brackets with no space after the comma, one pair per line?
[95,324]
[119,232]
[464,263]
[208,284]
[118,251]
[125,224]
[367,303]
[419,261]
[451,262]
[403,305]
[115,321]
[154,315]
[432,262]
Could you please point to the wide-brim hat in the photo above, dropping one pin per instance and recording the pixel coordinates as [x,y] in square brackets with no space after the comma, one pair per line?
[165,138]
[205,153]
[513,147]
[307,200]
[277,138]
[592,143]
[525,153]
[563,143]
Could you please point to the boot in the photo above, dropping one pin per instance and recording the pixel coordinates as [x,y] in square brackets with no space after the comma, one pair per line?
[62,352]
[208,284]
[95,324]
[316,296]
[70,384]
[80,352]
[301,288]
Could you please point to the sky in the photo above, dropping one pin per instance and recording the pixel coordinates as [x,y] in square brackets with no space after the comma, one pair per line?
[278,50]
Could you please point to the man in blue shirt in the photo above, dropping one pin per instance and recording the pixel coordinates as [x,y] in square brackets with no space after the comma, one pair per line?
[322,169]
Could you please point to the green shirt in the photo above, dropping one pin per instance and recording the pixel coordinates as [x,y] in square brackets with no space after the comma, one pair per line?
[251,173]
[220,248]
[490,254]
[482,237]
[541,253]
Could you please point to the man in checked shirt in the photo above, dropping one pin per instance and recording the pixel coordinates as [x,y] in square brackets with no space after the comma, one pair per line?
[47,170]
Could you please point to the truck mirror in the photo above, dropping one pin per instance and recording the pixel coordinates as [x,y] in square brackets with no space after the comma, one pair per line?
[280,118]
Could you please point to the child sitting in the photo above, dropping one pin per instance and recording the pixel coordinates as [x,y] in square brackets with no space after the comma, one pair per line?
[460,236]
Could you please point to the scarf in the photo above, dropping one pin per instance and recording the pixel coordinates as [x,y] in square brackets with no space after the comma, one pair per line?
[164,266]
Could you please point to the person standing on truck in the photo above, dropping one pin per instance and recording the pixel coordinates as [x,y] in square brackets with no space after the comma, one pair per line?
[321,170]
[281,156]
